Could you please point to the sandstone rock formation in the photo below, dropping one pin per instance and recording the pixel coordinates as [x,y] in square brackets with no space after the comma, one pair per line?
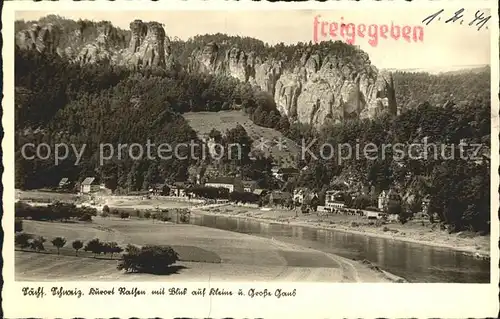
[102,49]
[41,38]
[315,89]
[148,47]
[318,89]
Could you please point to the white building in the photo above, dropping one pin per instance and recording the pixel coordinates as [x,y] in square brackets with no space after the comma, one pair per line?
[332,199]
[89,185]
[229,183]
[334,205]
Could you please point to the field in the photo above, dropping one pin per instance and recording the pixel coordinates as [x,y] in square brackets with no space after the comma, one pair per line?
[204,122]
[45,196]
[204,252]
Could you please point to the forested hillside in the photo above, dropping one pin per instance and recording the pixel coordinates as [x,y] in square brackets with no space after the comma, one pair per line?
[58,101]
[413,89]
[65,103]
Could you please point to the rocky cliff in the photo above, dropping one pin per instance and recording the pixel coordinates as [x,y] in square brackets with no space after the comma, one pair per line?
[148,47]
[41,38]
[319,87]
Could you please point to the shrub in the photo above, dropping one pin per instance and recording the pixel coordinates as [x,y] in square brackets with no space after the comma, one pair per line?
[385,229]
[165,218]
[22,240]
[148,259]
[105,210]
[147,215]
[124,215]
[184,216]
[85,217]
[18,225]
[379,223]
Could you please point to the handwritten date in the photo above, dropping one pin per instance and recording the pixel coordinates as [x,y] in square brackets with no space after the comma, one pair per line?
[480,18]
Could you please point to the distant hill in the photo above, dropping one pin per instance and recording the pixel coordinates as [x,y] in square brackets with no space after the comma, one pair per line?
[448,70]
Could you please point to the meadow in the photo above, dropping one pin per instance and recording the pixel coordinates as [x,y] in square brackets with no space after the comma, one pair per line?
[203,252]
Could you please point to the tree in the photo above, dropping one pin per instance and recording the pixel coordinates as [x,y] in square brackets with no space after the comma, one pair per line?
[105,211]
[58,242]
[112,248]
[147,215]
[37,244]
[22,240]
[94,246]
[77,245]
[18,223]
[148,259]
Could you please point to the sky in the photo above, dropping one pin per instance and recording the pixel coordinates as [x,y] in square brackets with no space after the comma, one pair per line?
[444,45]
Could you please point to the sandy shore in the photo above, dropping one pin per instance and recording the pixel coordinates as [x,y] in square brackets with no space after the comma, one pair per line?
[477,246]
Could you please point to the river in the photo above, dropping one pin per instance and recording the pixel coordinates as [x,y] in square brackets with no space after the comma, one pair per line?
[416,263]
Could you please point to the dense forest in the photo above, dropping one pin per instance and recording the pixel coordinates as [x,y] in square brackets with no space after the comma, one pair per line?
[413,89]
[61,102]
[65,103]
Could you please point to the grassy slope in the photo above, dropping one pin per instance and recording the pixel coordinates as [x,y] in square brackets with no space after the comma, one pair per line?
[204,122]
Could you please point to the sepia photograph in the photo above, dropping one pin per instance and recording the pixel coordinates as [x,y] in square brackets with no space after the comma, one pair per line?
[167,146]
[234,160]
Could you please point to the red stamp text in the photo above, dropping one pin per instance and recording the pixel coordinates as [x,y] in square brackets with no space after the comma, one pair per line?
[350,32]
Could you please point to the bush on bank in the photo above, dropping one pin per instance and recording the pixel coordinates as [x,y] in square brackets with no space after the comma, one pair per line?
[152,259]
[56,211]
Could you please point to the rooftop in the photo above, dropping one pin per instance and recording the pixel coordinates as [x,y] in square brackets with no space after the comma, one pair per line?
[221,180]
[88,181]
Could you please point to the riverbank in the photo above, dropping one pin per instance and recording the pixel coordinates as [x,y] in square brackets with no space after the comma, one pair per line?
[418,232]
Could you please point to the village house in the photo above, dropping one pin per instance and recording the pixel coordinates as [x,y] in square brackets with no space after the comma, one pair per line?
[249,186]
[230,183]
[425,205]
[371,214]
[387,197]
[260,192]
[274,171]
[334,200]
[286,172]
[178,189]
[89,185]
[298,195]
[64,183]
[381,200]
[159,190]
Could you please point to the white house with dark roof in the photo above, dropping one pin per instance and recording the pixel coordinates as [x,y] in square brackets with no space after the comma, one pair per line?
[249,186]
[89,185]
[230,183]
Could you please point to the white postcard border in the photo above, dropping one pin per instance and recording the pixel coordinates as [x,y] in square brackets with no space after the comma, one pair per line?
[312,300]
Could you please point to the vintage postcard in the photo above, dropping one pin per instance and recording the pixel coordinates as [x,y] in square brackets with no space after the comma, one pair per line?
[250,160]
